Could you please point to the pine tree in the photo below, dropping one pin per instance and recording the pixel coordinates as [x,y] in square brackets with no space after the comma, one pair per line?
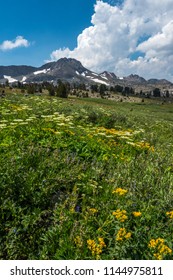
[62,90]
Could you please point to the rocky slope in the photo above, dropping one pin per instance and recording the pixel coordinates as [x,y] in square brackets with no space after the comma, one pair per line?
[72,70]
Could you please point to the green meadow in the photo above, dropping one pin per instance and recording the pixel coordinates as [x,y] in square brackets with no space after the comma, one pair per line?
[85,179]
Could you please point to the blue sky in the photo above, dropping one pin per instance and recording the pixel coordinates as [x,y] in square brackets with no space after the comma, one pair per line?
[47,25]
[121,36]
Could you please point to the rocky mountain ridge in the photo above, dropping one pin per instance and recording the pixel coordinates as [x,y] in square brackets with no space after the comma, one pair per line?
[71,70]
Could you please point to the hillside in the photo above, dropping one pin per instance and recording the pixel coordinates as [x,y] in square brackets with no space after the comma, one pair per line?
[85,179]
[73,71]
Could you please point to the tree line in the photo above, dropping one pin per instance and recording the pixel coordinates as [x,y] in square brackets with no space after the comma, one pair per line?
[63,89]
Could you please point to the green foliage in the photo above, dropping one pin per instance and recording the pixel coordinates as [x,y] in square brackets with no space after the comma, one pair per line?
[51,90]
[85,179]
[94,88]
[156,92]
[62,89]
[30,88]
[102,89]
[118,88]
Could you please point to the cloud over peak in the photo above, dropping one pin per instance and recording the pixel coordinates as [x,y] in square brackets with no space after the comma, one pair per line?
[134,37]
[18,42]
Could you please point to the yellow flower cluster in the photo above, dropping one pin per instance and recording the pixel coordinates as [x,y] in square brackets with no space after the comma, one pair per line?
[113,131]
[151,149]
[120,215]
[154,242]
[17,107]
[122,234]
[142,145]
[137,214]
[78,241]
[93,210]
[170,214]
[49,129]
[96,249]
[159,247]
[69,132]
[120,191]
[101,242]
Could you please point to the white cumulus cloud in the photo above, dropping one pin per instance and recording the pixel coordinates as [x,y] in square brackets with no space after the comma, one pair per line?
[18,42]
[132,37]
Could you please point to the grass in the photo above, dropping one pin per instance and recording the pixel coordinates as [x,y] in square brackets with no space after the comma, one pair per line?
[85,179]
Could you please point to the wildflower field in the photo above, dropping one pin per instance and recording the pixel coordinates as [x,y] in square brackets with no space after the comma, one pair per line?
[85,179]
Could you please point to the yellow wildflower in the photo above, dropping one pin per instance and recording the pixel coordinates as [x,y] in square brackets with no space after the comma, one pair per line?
[78,241]
[159,248]
[137,214]
[154,242]
[93,210]
[122,234]
[120,215]
[152,148]
[91,245]
[157,256]
[101,242]
[69,132]
[170,214]
[120,191]
[96,249]
[128,235]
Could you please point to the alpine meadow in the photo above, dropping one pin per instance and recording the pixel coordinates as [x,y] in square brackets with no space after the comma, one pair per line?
[86,138]
[85,178]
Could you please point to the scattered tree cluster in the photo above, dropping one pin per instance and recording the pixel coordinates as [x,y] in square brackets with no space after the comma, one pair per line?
[63,89]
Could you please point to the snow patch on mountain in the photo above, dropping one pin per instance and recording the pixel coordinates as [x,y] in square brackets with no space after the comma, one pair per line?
[103,77]
[10,79]
[23,79]
[95,74]
[99,81]
[44,71]
[83,74]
